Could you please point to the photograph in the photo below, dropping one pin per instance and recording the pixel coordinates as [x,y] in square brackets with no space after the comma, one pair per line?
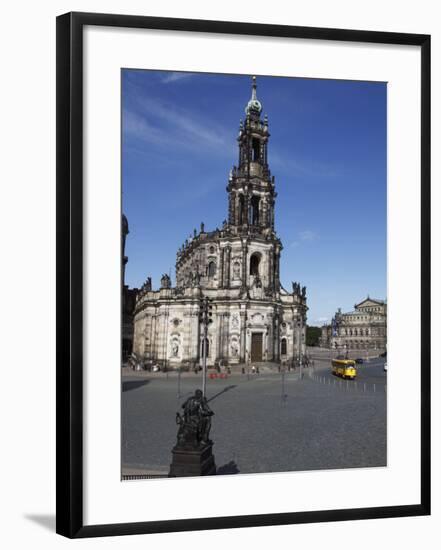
[227,215]
[253,274]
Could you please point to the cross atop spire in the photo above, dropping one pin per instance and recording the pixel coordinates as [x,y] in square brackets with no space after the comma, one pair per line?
[253,93]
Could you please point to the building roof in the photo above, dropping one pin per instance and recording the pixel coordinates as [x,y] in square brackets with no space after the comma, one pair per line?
[369,299]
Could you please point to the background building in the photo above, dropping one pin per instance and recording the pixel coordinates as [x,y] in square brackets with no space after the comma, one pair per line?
[237,267]
[128,299]
[363,328]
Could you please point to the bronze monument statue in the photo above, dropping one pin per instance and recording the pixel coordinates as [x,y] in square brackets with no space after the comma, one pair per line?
[195,423]
[193,452]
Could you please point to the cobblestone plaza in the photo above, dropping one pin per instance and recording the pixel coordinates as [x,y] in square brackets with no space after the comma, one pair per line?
[270,422]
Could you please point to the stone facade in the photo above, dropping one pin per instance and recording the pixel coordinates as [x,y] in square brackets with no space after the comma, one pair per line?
[237,266]
[363,328]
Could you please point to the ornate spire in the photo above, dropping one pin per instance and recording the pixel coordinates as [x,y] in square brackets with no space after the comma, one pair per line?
[253,93]
[253,105]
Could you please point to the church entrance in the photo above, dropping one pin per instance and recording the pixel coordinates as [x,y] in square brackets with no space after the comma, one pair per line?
[256,346]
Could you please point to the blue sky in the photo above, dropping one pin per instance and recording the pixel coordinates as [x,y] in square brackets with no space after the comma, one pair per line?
[327,152]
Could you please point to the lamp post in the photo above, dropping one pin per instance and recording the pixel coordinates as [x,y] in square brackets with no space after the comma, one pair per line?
[205,315]
[204,364]
[299,326]
[179,383]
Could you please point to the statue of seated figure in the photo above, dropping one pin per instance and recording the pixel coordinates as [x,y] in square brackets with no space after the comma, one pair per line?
[194,423]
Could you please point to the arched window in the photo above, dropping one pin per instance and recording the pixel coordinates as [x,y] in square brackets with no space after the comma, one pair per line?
[254,211]
[241,218]
[254,264]
[283,346]
[255,150]
[211,269]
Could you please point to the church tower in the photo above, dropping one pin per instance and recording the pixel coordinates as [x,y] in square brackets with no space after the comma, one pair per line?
[251,200]
[251,186]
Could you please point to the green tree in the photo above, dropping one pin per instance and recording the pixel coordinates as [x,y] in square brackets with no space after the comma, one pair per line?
[312,335]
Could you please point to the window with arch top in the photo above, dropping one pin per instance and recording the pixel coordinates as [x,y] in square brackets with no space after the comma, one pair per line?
[254,210]
[255,153]
[211,269]
[283,347]
[254,264]
[241,217]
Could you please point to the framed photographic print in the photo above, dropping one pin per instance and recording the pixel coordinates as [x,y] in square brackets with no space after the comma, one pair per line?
[243,288]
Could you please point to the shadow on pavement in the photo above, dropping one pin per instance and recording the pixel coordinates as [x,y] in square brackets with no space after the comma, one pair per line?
[45,520]
[229,468]
[133,384]
[221,392]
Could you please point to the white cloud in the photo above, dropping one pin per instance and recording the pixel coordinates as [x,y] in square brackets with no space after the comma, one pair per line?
[137,126]
[308,235]
[304,236]
[304,168]
[174,77]
[185,122]
[161,123]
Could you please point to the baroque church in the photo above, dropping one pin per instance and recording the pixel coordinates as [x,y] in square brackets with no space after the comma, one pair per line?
[236,266]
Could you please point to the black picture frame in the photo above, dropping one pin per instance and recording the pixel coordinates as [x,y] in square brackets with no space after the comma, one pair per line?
[69,294]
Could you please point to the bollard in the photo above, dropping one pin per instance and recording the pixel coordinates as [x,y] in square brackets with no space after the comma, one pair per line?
[364,386]
[374,388]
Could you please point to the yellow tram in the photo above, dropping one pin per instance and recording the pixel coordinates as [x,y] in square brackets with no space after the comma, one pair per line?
[344,368]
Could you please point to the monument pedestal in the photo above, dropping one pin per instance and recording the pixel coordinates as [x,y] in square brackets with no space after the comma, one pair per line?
[192,462]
